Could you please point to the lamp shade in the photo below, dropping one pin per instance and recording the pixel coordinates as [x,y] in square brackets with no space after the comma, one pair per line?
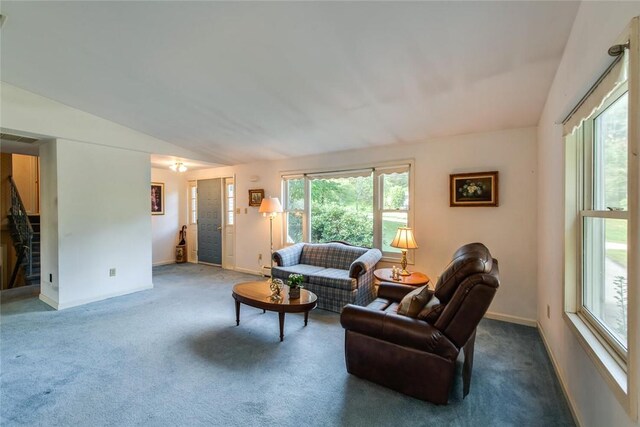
[270,205]
[404,239]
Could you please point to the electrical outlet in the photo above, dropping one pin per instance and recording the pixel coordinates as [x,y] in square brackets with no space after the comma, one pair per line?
[112,272]
[548,312]
[259,257]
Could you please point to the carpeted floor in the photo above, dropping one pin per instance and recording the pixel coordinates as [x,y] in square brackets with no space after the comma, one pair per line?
[173,356]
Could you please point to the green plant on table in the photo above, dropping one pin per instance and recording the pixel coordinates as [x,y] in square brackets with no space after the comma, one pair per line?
[295,280]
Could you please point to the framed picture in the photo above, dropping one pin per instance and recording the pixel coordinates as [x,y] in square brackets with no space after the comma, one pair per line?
[473,189]
[157,198]
[255,197]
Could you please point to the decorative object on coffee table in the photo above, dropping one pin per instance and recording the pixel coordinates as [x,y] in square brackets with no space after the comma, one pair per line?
[473,189]
[404,240]
[295,284]
[276,289]
[258,295]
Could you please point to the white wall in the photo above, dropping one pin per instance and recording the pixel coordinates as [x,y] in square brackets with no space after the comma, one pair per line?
[25,111]
[95,198]
[508,230]
[49,223]
[166,228]
[103,222]
[596,27]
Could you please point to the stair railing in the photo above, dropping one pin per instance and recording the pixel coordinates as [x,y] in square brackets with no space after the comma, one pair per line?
[22,225]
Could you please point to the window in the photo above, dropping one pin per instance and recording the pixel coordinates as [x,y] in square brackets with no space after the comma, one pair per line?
[230,205]
[294,207]
[393,206]
[601,209]
[193,202]
[361,207]
[604,217]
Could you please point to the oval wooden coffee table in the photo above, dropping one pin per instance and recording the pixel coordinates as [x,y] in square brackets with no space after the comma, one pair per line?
[257,294]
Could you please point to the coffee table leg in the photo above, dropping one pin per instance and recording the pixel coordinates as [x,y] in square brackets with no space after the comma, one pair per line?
[281,318]
[306,317]
[237,312]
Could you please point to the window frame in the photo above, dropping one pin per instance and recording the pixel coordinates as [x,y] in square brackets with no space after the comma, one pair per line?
[376,172]
[622,378]
[586,195]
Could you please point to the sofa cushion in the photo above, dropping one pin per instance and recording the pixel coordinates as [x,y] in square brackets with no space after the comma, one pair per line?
[304,269]
[330,255]
[333,278]
[414,301]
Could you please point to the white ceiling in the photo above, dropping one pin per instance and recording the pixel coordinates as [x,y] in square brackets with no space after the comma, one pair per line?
[243,81]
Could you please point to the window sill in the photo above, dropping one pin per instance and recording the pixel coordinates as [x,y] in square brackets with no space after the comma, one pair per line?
[614,375]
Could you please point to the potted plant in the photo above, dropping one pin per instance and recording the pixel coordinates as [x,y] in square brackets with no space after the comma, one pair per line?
[295,284]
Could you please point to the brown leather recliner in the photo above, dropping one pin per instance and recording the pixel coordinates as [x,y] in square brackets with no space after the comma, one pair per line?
[418,357]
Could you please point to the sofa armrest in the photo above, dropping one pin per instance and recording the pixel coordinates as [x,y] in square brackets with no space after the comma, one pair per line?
[365,262]
[401,330]
[394,291]
[288,256]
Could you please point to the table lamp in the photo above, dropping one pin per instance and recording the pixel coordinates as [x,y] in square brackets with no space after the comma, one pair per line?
[404,240]
[270,206]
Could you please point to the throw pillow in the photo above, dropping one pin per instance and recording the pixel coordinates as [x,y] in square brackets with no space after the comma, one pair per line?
[414,301]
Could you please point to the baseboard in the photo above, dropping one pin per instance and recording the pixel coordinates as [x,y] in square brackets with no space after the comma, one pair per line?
[511,319]
[101,297]
[171,261]
[45,299]
[246,270]
[563,384]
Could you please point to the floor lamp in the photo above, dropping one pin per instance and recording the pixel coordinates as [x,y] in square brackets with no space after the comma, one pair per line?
[270,206]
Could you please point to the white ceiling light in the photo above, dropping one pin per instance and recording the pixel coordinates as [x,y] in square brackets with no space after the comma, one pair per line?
[178,167]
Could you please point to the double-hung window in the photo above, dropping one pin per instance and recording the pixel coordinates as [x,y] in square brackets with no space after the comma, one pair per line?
[362,207]
[601,212]
[604,219]
[293,189]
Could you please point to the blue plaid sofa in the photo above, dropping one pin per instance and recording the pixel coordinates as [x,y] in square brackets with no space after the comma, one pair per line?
[338,273]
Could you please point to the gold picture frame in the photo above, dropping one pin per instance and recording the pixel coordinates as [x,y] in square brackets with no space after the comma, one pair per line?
[256,196]
[473,189]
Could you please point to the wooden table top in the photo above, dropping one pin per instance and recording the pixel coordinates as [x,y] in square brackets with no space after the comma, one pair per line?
[414,279]
[257,294]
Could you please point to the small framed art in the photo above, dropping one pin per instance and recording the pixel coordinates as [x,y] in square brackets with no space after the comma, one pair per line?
[473,189]
[255,197]
[157,198]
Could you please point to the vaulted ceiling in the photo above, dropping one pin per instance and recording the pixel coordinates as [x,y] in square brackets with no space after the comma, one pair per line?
[244,81]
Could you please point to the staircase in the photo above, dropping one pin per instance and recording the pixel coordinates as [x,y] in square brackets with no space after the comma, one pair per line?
[25,234]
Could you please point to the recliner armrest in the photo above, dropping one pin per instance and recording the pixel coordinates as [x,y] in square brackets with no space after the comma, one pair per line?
[393,291]
[400,330]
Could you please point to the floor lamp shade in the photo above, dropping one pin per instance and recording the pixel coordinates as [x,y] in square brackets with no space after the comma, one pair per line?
[270,206]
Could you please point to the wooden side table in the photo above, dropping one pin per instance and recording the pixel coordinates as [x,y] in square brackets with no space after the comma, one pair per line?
[414,279]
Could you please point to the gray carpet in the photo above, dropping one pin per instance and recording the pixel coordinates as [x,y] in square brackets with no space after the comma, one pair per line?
[173,356]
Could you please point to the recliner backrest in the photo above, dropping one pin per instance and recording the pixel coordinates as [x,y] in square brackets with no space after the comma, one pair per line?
[470,259]
[468,305]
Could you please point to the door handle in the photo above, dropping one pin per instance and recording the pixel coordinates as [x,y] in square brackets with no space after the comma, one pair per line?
[219,228]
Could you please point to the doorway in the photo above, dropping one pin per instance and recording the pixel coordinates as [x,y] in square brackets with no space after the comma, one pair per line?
[210,221]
